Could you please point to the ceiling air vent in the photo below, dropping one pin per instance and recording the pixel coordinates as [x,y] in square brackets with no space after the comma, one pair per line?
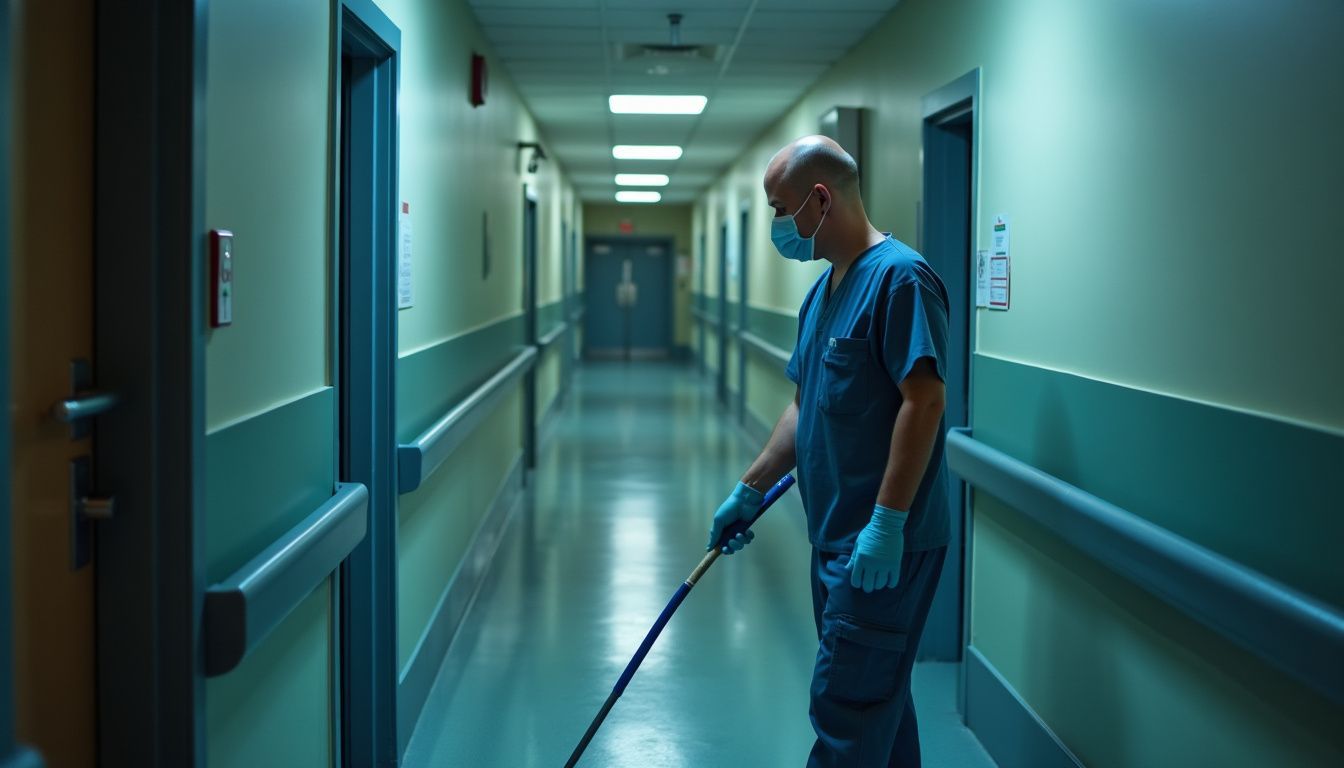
[671,57]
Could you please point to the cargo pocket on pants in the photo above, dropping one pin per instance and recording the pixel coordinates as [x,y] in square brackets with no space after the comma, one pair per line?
[864,662]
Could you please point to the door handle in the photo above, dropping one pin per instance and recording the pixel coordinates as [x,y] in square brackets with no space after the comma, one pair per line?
[83,403]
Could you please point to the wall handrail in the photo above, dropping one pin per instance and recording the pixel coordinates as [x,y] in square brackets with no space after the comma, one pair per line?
[753,342]
[553,335]
[705,317]
[243,609]
[418,459]
[1292,631]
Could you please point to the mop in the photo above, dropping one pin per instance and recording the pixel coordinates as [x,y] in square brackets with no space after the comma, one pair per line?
[685,589]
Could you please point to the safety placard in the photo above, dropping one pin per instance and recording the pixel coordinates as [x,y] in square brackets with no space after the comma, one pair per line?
[1000,264]
[405,289]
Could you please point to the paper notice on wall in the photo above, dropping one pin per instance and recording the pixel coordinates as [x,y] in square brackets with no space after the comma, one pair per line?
[405,290]
[982,278]
[1000,264]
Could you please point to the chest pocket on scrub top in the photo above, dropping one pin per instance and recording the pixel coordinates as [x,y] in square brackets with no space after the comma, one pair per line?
[844,385]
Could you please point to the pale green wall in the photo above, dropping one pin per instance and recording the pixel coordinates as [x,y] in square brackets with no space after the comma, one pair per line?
[268,144]
[1170,204]
[458,162]
[268,179]
[267,158]
[653,221]
[275,708]
[1156,198]
[438,520]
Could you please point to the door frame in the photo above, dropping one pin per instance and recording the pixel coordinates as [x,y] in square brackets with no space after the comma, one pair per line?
[743,246]
[364,357]
[149,262]
[961,97]
[723,313]
[667,243]
[531,225]
[703,361]
[12,754]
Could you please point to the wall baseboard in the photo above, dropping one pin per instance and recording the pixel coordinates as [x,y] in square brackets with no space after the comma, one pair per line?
[417,678]
[1010,731]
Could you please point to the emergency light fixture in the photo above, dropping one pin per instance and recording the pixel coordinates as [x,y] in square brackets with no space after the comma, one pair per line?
[632,104]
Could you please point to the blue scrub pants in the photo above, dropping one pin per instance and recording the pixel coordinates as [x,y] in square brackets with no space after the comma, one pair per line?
[861,706]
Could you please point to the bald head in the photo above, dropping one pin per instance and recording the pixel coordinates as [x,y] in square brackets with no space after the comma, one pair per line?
[813,160]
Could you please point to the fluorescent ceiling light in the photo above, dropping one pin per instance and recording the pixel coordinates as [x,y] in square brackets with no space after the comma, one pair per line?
[637,196]
[645,152]
[630,104]
[641,180]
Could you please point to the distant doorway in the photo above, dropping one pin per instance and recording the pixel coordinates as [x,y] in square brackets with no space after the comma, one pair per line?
[628,292]
[948,226]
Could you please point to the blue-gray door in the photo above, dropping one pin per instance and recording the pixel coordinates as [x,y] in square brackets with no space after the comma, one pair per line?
[628,291]
[947,225]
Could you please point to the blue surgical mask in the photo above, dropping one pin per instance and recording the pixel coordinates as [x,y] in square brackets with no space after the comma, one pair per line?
[790,244]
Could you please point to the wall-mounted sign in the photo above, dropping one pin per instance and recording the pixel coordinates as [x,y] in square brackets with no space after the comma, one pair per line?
[405,289]
[1000,264]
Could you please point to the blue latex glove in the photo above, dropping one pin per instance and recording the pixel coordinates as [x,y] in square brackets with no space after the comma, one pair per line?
[742,504]
[876,562]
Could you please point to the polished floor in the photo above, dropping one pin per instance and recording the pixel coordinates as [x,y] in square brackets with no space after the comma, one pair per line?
[615,519]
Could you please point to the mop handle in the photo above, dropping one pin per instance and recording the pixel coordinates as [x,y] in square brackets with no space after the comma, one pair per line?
[771,497]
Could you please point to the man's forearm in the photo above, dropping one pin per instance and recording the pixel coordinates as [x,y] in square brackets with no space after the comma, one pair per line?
[780,452]
[912,441]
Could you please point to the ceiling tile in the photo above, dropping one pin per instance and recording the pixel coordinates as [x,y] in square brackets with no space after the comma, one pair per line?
[565,64]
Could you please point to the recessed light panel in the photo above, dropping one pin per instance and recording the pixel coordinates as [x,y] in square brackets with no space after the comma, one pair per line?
[633,104]
[645,152]
[641,180]
[637,196]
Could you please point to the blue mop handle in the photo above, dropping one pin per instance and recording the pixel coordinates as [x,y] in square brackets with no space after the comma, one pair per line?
[771,496]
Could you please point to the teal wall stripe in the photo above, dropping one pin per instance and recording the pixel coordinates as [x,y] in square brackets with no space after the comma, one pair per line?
[264,475]
[431,381]
[1246,486]
[549,316]
[778,328]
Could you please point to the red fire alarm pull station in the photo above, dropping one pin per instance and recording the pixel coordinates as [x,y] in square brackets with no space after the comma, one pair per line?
[221,278]
[479,80]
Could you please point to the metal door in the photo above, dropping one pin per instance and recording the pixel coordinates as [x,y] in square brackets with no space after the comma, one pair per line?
[628,290]
[948,208]
[51,306]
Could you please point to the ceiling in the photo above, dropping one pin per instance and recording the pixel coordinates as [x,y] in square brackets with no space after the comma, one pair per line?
[758,57]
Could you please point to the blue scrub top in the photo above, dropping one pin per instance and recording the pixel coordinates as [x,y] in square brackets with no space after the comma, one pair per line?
[853,348]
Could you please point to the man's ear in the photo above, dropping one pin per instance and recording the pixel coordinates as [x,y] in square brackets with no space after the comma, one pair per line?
[824,196]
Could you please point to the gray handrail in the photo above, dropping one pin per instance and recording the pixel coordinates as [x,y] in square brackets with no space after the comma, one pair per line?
[419,459]
[705,317]
[756,343]
[554,334]
[241,610]
[1302,636]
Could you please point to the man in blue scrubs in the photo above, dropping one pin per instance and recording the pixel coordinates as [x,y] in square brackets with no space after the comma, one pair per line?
[865,430]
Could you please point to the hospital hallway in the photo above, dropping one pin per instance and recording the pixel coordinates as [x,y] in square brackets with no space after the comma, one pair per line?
[373,372]
[613,520]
